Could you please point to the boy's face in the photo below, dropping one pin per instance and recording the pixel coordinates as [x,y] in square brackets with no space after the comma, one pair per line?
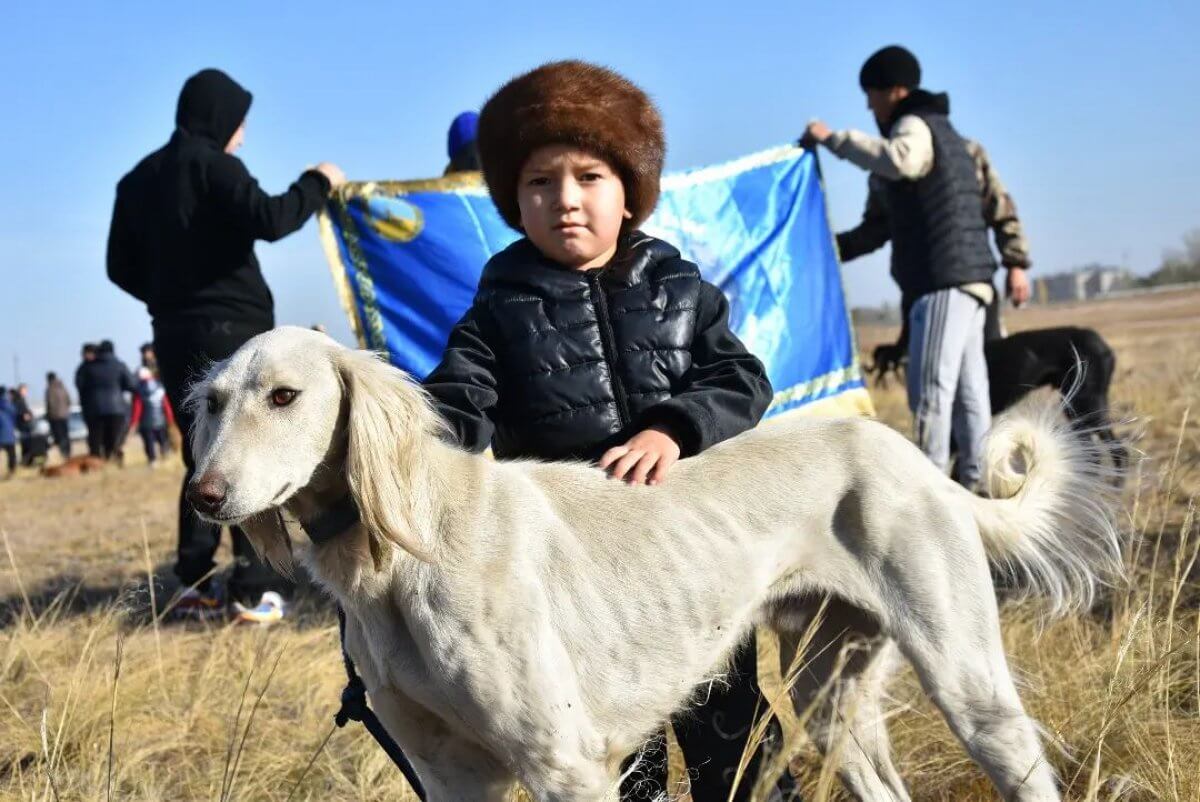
[572,206]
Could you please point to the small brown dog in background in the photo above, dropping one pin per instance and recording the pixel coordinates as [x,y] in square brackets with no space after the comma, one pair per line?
[74,467]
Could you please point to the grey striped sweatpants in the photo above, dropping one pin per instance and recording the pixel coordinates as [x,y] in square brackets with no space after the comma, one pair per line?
[948,379]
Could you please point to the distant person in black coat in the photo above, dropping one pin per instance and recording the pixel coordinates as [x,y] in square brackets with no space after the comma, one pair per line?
[20,401]
[87,354]
[102,384]
[8,432]
[182,240]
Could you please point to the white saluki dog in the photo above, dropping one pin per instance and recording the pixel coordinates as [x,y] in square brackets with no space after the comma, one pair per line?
[537,622]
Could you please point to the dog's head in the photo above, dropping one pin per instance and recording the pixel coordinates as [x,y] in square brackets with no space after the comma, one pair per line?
[294,411]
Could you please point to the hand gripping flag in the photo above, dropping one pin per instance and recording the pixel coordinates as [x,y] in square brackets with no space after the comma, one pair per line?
[406,258]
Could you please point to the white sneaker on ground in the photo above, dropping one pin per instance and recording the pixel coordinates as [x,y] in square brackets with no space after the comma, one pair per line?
[270,610]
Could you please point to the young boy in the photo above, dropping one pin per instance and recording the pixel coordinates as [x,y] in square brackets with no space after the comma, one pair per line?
[589,340]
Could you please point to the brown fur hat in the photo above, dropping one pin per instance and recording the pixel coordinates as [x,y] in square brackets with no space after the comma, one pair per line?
[572,103]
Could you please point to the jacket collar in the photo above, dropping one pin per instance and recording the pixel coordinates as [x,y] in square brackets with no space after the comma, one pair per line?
[522,264]
[919,101]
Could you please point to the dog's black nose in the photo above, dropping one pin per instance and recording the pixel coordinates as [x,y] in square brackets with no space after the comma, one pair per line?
[207,493]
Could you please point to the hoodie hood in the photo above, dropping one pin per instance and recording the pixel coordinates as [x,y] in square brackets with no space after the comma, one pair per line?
[212,105]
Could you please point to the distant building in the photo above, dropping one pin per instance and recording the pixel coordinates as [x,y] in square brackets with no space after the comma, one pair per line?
[1082,284]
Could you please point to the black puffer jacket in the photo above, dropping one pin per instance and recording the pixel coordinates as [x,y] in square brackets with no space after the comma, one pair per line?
[186,218]
[938,230]
[556,364]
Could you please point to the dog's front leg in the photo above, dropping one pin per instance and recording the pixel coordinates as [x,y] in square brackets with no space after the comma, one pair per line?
[581,782]
[561,755]
[837,690]
[452,768]
[562,758]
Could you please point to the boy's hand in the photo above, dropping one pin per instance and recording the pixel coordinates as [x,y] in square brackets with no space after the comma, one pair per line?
[647,455]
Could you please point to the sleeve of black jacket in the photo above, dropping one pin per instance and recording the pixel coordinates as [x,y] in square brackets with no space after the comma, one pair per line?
[463,385]
[726,390]
[263,216]
[872,232]
[124,268]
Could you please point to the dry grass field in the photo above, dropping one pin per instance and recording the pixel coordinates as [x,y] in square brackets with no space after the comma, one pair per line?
[102,699]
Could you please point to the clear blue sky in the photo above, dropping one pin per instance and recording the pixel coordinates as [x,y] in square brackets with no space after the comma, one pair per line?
[1090,111]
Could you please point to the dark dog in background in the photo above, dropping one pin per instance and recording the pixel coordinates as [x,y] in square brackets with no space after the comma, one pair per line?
[1022,362]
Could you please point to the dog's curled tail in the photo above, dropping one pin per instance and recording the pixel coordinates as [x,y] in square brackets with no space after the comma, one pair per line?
[1049,515]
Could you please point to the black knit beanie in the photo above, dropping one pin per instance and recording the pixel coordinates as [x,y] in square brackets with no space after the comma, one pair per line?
[891,66]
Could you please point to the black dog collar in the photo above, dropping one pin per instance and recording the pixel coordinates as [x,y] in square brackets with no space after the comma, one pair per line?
[342,515]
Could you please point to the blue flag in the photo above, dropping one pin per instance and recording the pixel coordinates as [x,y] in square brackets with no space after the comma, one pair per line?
[406,258]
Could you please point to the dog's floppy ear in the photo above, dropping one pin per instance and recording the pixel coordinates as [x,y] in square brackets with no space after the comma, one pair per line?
[267,535]
[389,421]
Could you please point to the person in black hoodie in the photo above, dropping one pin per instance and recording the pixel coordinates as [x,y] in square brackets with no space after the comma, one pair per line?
[589,340]
[182,240]
[923,172]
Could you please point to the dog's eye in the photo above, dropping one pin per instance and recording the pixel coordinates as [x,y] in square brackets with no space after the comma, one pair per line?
[211,404]
[282,397]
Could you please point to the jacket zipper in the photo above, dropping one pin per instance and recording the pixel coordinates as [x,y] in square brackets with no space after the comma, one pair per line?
[608,342]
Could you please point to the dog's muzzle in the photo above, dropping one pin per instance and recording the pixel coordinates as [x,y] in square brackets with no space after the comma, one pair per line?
[207,494]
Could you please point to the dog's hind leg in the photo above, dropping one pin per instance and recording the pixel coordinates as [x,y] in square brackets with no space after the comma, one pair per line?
[976,694]
[1093,404]
[865,746]
[946,622]
[1088,409]
[1116,450]
[844,713]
